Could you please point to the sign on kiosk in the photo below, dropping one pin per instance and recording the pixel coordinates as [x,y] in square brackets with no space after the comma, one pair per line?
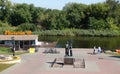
[18,33]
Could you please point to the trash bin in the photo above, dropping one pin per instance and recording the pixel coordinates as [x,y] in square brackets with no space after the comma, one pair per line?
[31,50]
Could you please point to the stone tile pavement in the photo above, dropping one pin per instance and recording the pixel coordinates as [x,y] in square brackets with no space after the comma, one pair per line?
[39,63]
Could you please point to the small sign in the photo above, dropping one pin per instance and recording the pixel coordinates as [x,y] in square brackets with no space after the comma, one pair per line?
[18,33]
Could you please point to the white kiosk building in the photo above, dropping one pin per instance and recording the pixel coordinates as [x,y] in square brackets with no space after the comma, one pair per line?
[21,41]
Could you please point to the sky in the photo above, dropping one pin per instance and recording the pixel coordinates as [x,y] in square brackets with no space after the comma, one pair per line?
[54,4]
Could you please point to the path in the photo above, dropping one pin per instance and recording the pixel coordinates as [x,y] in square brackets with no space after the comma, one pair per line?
[38,63]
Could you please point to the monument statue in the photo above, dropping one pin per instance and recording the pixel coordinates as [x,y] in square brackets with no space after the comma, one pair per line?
[68,49]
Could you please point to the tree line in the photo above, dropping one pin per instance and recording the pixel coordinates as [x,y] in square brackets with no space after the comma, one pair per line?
[99,16]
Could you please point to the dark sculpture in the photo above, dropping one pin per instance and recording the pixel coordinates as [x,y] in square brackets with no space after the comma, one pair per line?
[68,49]
[13,46]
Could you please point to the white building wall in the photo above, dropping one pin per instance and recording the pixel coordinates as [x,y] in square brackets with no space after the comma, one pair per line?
[36,41]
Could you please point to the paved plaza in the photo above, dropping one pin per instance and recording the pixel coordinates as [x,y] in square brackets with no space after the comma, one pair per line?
[39,63]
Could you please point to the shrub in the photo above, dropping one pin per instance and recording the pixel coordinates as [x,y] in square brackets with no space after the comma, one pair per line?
[27,27]
[4,27]
[77,32]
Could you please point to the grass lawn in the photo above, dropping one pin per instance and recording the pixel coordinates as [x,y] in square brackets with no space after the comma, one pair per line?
[113,53]
[4,66]
[4,50]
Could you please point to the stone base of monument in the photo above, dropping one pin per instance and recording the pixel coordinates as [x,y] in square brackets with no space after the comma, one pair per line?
[68,60]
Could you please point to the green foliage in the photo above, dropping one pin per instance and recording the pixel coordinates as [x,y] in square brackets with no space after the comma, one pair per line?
[4,27]
[4,50]
[56,20]
[77,32]
[111,24]
[99,11]
[20,14]
[99,16]
[3,24]
[114,9]
[37,15]
[65,32]
[96,24]
[5,10]
[75,14]
[114,54]
[27,27]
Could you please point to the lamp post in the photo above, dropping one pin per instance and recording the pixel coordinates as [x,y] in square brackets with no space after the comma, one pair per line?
[13,45]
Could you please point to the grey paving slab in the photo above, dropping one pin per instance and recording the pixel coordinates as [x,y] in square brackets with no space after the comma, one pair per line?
[38,63]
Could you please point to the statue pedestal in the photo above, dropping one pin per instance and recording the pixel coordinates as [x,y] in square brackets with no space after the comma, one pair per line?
[68,60]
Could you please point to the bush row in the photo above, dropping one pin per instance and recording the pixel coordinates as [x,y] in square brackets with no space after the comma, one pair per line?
[77,32]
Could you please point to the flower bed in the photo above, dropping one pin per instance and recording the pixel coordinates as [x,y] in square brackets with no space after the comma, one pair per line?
[15,59]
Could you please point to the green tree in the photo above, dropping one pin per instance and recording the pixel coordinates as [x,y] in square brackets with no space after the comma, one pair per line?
[62,21]
[56,19]
[50,21]
[111,24]
[95,15]
[99,10]
[37,14]
[114,11]
[5,10]
[97,24]
[75,14]
[113,6]
[20,14]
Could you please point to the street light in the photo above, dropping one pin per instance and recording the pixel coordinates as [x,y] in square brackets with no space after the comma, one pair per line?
[13,45]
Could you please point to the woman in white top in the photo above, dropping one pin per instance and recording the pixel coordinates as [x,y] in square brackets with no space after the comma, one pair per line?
[99,50]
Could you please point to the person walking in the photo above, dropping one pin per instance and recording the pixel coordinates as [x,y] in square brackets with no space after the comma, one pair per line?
[94,49]
[99,50]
